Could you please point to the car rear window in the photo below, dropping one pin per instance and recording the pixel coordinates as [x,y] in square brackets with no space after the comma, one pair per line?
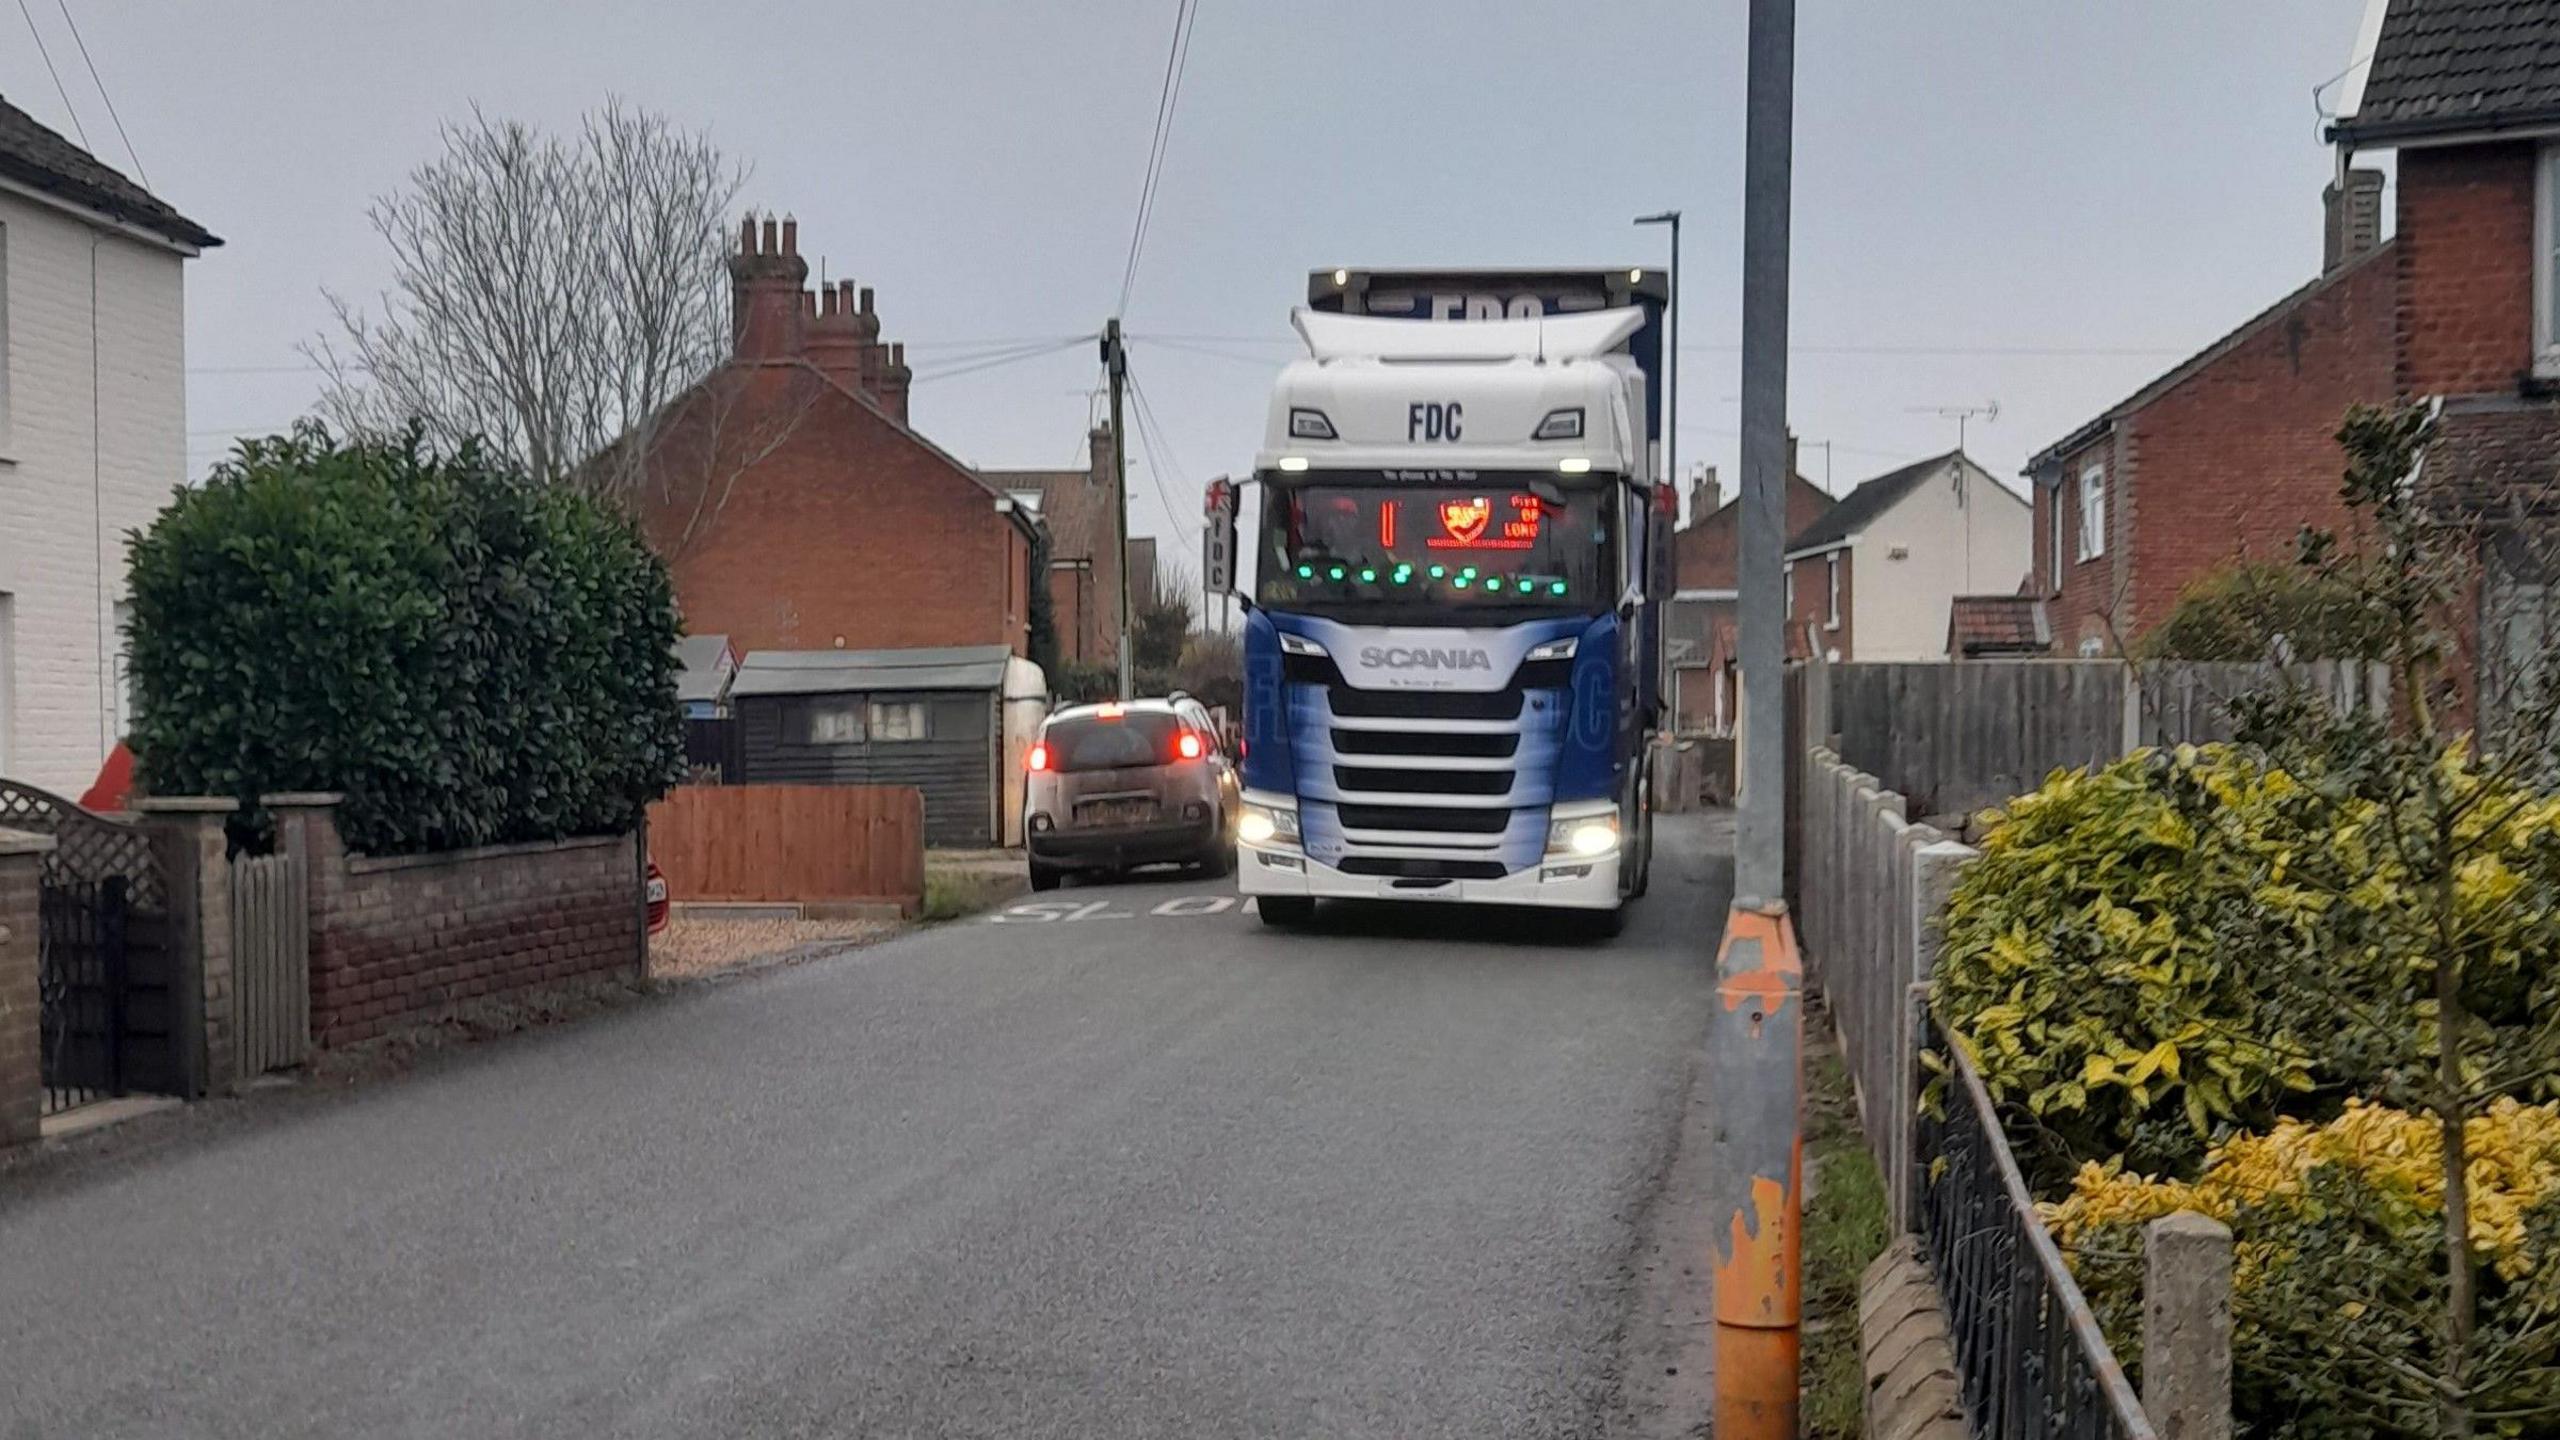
[1098,742]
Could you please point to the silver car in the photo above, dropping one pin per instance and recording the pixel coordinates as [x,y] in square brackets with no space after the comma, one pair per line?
[1122,784]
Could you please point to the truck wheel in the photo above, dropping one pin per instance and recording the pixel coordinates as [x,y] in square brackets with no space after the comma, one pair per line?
[1285,911]
[1043,877]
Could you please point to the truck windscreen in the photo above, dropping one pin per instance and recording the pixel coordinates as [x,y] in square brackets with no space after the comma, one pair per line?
[1449,540]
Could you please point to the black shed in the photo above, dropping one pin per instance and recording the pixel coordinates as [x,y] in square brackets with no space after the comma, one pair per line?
[930,718]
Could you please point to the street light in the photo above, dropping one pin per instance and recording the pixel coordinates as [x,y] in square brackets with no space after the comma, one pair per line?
[1671,350]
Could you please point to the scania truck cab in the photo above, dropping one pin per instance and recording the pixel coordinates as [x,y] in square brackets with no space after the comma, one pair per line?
[1451,650]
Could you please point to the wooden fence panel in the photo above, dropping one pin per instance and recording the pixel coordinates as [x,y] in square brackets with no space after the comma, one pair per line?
[271,961]
[787,843]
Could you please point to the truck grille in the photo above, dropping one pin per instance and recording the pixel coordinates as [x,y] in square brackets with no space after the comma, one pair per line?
[1354,779]
[1447,821]
[1455,745]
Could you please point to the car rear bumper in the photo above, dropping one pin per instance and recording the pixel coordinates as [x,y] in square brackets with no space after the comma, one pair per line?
[1114,847]
[1559,883]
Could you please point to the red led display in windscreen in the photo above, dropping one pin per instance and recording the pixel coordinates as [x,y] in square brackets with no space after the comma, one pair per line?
[1472,523]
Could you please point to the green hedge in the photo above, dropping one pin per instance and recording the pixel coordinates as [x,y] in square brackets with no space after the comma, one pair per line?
[469,658]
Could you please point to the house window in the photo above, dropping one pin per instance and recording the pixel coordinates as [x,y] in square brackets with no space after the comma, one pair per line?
[1791,589]
[4,342]
[2053,549]
[830,722]
[2093,511]
[1831,564]
[2546,264]
[897,720]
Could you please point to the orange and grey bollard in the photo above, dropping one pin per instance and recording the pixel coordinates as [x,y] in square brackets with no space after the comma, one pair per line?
[1755,1057]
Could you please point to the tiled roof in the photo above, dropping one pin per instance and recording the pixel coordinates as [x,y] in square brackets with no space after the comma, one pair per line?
[2456,65]
[36,157]
[1859,508]
[1997,625]
[1076,510]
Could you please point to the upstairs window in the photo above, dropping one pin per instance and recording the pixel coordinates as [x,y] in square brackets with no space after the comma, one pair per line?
[1831,563]
[2546,264]
[2093,511]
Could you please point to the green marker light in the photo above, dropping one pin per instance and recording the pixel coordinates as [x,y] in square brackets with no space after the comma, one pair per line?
[1439,572]
[1467,574]
[1334,573]
[1493,582]
[1306,572]
[1557,588]
[1463,582]
[1368,577]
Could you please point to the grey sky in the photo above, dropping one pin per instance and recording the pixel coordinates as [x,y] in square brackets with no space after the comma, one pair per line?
[2112,185]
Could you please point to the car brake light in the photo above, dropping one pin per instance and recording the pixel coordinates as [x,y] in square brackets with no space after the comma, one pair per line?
[1039,757]
[1188,745]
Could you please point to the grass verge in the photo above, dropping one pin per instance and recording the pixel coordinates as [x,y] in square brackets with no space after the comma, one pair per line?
[1845,1228]
[954,893]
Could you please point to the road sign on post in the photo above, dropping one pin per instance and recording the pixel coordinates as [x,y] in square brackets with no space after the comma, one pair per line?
[1218,538]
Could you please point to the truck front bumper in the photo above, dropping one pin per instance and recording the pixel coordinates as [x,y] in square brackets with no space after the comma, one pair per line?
[1557,883]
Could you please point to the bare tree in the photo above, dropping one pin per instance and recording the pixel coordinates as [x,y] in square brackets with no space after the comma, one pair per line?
[554,295]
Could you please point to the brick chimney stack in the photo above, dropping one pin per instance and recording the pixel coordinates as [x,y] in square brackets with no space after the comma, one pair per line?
[1706,494]
[841,335]
[767,315]
[2351,218]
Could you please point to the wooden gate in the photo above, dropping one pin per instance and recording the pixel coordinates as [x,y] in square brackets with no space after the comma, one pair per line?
[271,961]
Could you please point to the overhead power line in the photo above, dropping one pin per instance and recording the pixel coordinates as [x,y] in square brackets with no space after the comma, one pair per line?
[1168,101]
[129,152]
[76,129]
[1016,356]
[1149,433]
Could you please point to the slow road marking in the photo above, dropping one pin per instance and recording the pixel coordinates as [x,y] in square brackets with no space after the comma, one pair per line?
[1045,912]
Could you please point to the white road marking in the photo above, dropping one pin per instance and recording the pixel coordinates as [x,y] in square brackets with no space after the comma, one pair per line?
[1180,907]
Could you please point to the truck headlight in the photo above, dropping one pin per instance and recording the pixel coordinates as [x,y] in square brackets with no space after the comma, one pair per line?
[1263,824]
[1563,424]
[1587,838]
[1306,424]
[1555,649]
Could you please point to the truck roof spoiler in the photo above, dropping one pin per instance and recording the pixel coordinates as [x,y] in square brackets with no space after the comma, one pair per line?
[1583,335]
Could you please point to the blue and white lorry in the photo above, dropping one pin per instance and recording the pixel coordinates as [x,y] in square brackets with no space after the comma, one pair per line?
[1452,641]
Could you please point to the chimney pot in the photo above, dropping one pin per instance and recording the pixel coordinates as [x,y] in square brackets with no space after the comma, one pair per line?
[747,234]
[790,236]
[827,301]
[866,299]
[772,236]
[898,353]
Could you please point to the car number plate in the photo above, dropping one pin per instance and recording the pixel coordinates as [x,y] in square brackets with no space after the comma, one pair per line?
[1116,812]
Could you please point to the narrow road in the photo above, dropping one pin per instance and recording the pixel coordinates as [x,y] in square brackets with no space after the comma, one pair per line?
[1141,1169]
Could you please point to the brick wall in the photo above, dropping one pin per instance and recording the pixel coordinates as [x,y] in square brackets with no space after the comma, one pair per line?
[846,531]
[2233,461]
[2465,303]
[1703,552]
[1810,581]
[402,939]
[21,1060]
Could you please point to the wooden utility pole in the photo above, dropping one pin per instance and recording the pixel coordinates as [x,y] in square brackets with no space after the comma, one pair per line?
[1115,365]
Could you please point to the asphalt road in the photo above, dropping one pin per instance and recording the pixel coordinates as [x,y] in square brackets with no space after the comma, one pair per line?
[1121,1174]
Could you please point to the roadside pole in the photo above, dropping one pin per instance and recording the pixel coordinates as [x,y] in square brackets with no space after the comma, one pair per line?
[1755,1047]
[1115,364]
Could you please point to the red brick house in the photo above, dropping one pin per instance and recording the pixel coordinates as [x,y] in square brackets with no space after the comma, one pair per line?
[796,507]
[2467,92]
[2226,456]
[1083,577]
[1700,629]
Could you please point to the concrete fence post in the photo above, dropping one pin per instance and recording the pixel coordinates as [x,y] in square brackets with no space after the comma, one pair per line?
[21,997]
[190,840]
[2186,1327]
[1935,868]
